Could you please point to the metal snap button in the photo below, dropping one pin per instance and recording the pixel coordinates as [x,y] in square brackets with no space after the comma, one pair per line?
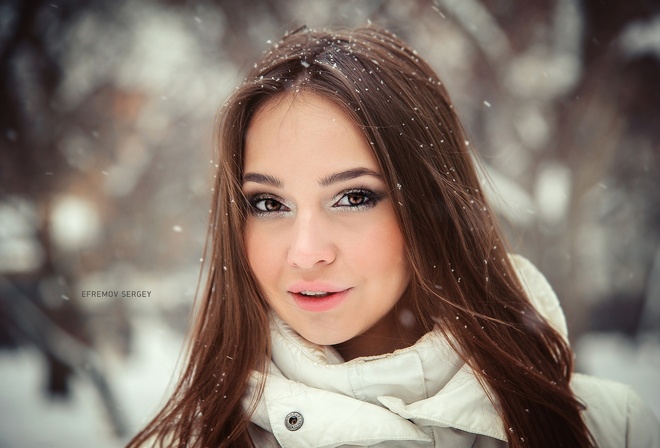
[293,421]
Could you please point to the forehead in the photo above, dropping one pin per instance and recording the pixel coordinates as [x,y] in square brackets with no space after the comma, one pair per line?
[295,130]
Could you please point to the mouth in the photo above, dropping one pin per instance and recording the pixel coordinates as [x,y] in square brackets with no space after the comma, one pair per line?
[316,294]
[319,301]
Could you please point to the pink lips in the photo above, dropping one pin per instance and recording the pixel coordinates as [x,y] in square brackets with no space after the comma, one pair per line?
[334,298]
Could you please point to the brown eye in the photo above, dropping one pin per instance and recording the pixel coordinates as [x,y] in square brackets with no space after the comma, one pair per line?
[358,199]
[271,205]
[355,199]
[264,204]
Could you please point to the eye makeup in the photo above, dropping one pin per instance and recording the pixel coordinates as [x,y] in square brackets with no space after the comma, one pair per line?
[358,199]
[352,199]
[263,204]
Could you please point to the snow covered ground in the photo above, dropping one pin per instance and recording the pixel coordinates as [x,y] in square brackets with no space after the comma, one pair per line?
[29,420]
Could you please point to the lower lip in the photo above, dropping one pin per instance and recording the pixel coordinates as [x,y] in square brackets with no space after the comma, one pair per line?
[320,304]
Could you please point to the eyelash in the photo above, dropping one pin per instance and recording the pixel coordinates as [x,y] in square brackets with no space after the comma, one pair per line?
[262,197]
[369,197]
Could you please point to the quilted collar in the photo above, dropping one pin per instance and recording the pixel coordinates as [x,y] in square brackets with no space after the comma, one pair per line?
[423,395]
[412,394]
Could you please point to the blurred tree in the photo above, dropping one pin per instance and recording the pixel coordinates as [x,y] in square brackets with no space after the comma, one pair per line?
[106,109]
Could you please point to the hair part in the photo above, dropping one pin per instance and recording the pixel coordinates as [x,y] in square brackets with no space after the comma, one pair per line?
[463,282]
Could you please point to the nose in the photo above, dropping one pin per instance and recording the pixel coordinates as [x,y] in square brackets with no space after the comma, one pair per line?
[311,244]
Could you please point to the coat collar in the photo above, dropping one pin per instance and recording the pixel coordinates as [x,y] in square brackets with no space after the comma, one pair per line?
[421,394]
[411,374]
[409,394]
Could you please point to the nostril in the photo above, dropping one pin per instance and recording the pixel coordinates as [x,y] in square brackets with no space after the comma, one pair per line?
[310,244]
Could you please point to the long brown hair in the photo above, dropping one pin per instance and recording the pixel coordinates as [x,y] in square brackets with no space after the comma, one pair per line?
[463,282]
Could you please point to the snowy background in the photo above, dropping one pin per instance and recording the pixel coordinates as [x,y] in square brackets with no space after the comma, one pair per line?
[106,114]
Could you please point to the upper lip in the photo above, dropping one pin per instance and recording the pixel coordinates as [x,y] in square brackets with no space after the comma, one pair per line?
[316,286]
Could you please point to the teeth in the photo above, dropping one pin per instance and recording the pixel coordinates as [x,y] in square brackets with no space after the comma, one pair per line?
[314,293]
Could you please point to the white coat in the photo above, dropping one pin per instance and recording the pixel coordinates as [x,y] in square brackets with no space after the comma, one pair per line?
[420,396]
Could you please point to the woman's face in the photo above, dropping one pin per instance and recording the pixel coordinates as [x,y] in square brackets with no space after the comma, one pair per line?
[322,238]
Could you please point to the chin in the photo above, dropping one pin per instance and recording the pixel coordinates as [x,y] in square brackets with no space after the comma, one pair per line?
[323,339]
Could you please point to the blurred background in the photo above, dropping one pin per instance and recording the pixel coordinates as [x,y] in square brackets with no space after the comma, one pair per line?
[106,115]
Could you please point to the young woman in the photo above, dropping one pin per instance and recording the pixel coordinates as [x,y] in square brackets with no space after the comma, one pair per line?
[360,292]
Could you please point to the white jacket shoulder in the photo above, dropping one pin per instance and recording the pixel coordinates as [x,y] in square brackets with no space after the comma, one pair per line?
[540,293]
[615,414]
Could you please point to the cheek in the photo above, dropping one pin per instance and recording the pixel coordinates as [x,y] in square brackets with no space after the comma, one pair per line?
[261,251]
[381,250]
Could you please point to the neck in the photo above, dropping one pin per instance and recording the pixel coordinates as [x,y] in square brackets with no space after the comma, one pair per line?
[387,335]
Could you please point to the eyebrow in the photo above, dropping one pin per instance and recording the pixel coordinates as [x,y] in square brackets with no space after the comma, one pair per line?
[348,175]
[341,176]
[262,179]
